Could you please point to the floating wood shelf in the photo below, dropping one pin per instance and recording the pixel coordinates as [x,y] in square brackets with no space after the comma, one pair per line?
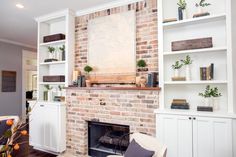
[114,88]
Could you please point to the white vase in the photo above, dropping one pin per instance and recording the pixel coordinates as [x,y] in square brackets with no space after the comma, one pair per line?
[185,14]
[216,104]
[187,73]
[58,56]
[200,10]
[208,102]
[49,95]
[176,73]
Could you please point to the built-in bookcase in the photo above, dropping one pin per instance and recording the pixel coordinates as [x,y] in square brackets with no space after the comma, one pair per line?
[216,25]
[59,22]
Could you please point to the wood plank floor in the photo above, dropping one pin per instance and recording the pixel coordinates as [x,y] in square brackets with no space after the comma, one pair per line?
[36,153]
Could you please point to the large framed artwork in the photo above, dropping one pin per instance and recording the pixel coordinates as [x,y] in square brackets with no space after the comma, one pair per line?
[112,48]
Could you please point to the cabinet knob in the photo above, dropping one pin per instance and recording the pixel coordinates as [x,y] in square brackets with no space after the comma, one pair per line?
[194,118]
[189,118]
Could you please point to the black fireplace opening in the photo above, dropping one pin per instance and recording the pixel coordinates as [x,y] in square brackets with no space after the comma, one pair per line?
[107,139]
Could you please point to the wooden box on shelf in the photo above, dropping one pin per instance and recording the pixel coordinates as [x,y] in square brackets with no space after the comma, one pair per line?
[54,37]
[58,78]
[192,44]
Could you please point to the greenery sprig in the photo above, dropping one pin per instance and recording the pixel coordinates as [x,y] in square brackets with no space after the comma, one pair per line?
[182,4]
[187,60]
[210,92]
[202,3]
[177,65]
[48,87]
[51,49]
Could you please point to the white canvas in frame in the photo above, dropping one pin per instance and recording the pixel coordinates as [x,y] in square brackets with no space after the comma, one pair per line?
[112,44]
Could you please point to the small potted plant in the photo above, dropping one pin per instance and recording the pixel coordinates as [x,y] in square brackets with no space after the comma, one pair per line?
[211,97]
[63,53]
[182,9]
[88,69]
[47,94]
[201,5]
[51,51]
[142,65]
[187,62]
[215,94]
[177,66]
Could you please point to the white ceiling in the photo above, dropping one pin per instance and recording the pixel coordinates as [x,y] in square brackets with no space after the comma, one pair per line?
[18,25]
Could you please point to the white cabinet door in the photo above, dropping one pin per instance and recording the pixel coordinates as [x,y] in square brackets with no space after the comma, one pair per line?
[176,133]
[51,136]
[37,125]
[212,137]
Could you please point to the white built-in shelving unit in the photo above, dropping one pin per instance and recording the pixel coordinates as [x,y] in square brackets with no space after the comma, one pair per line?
[216,26]
[59,22]
[47,125]
[190,133]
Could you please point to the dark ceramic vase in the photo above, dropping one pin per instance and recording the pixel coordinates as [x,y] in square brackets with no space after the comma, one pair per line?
[180,13]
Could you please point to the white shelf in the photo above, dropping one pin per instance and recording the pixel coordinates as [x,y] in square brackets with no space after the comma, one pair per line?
[197,20]
[53,43]
[51,83]
[195,82]
[53,63]
[206,50]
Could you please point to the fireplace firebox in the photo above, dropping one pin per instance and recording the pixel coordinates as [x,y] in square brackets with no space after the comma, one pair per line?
[107,139]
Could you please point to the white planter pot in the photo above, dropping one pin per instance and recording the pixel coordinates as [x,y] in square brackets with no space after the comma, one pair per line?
[200,10]
[49,95]
[208,102]
[58,56]
[216,103]
[187,73]
[185,14]
[176,73]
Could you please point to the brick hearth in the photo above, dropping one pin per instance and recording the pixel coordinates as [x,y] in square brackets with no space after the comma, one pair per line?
[131,107]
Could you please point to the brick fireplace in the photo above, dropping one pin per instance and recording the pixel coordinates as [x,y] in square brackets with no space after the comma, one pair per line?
[133,108]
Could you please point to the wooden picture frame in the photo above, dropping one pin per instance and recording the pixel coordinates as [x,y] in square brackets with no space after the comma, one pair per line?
[9,81]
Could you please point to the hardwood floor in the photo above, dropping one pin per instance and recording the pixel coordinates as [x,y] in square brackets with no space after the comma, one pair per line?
[36,153]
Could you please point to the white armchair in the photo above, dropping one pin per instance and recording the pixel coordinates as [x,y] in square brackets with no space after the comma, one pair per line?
[149,143]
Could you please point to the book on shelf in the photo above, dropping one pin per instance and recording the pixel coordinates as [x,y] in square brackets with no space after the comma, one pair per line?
[178,78]
[169,20]
[179,104]
[183,107]
[205,108]
[201,14]
[207,73]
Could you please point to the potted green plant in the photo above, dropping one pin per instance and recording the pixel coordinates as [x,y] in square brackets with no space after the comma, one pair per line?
[211,96]
[47,94]
[187,62]
[51,51]
[177,66]
[142,65]
[63,52]
[201,5]
[182,5]
[88,69]
[216,95]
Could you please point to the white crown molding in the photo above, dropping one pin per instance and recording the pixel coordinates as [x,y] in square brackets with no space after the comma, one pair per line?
[17,43]
[106,6]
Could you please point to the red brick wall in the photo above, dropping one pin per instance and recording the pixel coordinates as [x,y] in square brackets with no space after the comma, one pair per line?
[146,33]
[133,108]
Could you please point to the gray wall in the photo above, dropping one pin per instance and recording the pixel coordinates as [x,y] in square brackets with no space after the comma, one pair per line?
[11,59]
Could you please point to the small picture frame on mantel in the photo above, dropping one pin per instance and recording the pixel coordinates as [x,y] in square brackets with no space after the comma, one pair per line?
[8,81]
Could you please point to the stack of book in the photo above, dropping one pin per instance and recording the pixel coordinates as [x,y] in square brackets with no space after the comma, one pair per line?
[207,73]
[201,14]
[179,104]
[81,81]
